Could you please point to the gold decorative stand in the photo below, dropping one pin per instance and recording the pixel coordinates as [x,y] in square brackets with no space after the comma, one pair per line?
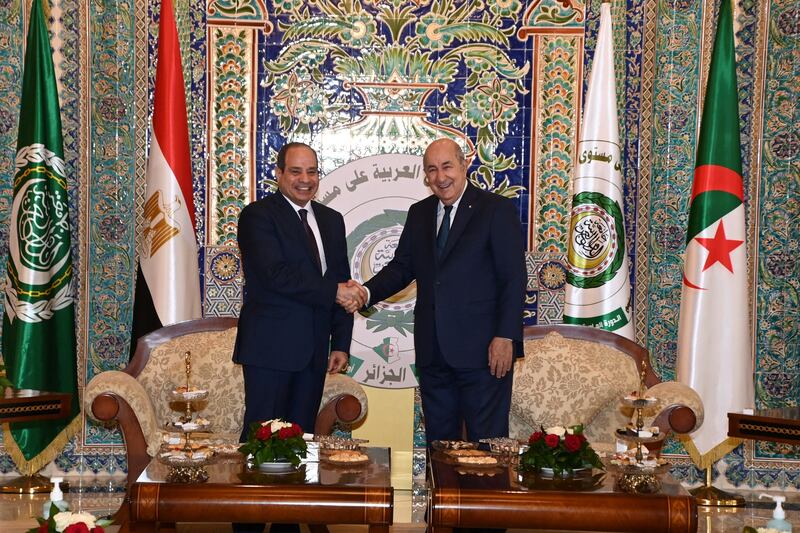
[709,495]
[638,479]
[27,485]
[186,469]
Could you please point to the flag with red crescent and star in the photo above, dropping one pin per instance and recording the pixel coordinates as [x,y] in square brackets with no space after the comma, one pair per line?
[714,335]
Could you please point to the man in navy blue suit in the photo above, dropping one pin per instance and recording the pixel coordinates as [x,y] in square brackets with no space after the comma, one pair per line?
[464,247]
[291,330]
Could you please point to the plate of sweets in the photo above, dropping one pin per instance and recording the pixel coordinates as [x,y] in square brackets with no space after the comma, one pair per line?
[226,448]
[502,445]
[480,461]
[635,399]
[334,443]
[627,460]
[646,434]
[183,447]
[181,457]
[453,445]
[466,452]
[198,424]
[188,394]
[347,458]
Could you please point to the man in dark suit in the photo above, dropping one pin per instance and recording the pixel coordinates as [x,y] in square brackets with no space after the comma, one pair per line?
[465,249]
[294,257]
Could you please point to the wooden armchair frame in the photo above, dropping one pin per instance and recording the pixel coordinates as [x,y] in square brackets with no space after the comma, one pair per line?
[108,407]
[678,418]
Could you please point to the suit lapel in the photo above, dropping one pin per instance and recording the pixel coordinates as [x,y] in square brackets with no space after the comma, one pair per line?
[326,234]
[465,209]
[428,225]
[293,222]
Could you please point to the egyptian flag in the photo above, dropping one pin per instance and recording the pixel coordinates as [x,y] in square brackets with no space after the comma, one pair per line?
[598,290]
[714,336]
[168,281]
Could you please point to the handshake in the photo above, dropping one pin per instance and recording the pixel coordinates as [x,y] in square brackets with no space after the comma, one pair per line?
[351,295]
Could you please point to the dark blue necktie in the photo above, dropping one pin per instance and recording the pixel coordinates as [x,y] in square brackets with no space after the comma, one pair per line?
[312,241]
[444,230]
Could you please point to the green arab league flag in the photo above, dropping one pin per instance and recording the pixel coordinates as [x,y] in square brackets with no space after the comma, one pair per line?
[39,317]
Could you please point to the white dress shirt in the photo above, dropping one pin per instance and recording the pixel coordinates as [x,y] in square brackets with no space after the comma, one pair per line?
[312,221]
[440,210]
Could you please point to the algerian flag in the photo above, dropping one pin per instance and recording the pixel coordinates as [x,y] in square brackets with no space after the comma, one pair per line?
[39,319]
[598,289]
[714,331]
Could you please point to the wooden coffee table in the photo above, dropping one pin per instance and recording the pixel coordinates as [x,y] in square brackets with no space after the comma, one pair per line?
[496,497]
[317,493]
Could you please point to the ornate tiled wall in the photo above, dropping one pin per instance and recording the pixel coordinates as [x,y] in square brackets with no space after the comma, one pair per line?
[368,78]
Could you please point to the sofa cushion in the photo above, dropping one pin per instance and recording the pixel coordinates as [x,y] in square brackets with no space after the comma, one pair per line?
[211,369]
[566,381]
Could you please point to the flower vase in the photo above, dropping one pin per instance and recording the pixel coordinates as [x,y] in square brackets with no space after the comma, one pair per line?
[279,465]
[570,472]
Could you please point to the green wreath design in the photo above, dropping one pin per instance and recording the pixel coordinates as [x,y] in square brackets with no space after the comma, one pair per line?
[612,208]
[381,319]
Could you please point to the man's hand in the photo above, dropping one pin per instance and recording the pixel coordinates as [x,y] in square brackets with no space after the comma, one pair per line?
[337,362]
[501,356]
[351,295]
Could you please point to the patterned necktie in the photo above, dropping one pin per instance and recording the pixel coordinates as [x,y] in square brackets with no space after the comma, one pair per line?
[444,230]
[312,241]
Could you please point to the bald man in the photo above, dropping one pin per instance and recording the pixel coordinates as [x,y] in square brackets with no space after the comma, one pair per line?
[465,249]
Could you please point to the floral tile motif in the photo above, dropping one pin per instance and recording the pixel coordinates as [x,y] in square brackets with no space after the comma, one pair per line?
[552,276]
[223,281]
[531,267]
[230,164]
[677,57]
[369,77]
[105,160]
[243,12]
[777,368]
[396,75]
[552,159]
[544,299]
[11,46]
[560,15]
[530,312]
[550,307]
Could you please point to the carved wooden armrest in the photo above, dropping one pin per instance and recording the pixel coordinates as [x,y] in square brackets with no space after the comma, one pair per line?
[679,410]
[343,401]
[116,397]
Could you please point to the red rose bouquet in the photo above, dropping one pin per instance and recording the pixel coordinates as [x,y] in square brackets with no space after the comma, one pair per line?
[561,449]
[274,441]
[67,522]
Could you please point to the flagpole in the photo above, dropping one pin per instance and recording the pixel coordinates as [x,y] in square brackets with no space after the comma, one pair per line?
[598,292]
[711,496]
[39,346]
[714,328]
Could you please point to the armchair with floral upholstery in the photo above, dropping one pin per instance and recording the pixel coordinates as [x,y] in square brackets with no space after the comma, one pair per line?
[579,374]
[137,397]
